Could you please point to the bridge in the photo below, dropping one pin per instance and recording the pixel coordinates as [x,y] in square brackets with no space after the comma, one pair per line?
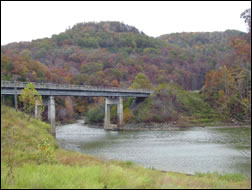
[49,90]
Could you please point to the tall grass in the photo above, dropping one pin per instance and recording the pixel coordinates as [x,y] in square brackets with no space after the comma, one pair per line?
[24,166]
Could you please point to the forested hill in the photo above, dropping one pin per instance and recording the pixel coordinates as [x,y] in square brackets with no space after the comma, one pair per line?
[198,40]
[112,54]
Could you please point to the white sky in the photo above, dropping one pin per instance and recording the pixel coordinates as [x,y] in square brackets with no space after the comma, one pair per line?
[26,21]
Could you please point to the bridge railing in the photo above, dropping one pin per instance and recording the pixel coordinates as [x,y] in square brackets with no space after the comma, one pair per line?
[5,83]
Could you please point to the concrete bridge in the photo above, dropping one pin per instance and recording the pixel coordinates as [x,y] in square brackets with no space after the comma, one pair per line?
[49,90]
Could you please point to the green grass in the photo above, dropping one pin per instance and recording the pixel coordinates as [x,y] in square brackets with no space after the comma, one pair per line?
[63,176]
[23,165]
[224,177]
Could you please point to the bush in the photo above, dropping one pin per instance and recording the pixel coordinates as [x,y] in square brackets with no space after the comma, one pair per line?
[96,114]
[235,109]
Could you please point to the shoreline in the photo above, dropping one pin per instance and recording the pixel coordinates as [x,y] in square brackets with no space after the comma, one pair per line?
[164,126]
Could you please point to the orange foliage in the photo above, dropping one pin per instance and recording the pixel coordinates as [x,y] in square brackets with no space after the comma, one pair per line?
[241,47]
[69,105]
[115,83]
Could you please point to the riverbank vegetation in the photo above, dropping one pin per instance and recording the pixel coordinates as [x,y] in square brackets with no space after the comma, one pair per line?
[171,103]
[168,104]
[31,158]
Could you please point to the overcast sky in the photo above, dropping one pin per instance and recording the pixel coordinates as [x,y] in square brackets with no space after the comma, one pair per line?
[26,21]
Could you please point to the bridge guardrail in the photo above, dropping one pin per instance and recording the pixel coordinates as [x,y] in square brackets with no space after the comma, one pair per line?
[70,87]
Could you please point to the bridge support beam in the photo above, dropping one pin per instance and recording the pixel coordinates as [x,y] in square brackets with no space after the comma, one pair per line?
[38,109]
[51,115]
[107,115]
[120,111]
[110,101]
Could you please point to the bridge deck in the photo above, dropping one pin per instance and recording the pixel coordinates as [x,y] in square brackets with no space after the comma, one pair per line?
[50,89]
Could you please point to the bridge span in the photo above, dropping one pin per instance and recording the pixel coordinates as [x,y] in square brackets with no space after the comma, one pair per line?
[49,90]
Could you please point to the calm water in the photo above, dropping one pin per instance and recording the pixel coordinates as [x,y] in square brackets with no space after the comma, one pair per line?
[182,150]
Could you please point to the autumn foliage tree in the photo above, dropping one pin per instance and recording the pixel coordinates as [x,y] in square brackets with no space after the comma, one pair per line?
[29,96]
[69,105]
[228,88]
[141,82]
[115,83]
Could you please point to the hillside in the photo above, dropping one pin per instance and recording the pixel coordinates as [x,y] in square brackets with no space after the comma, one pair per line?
[30,158]
[198,40]
[98,53]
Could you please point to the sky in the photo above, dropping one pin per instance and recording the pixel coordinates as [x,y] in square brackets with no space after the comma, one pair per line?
[26,21]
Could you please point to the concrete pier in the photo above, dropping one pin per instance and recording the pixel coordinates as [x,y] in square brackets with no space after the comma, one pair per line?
[51,115]
[38,109]
[111,101]
[120,111]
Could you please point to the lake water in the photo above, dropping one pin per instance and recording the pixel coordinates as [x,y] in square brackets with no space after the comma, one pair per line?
[189,150]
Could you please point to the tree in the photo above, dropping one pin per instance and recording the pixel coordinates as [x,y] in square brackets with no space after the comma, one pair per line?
[69,105]
[141,82]
[246,15]
[115,83]
[29,96]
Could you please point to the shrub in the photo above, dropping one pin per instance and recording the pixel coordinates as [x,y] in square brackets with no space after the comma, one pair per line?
[96,114]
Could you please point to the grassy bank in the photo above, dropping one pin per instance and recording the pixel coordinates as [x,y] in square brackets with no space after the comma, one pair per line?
[30,158]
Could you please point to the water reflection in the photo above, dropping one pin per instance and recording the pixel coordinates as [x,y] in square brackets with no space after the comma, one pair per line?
[182,150]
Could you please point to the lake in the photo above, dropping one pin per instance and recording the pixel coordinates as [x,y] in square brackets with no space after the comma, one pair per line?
[191,150]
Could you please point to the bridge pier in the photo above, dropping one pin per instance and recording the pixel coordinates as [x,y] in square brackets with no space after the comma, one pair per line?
[51,115]
[120,111]
[110,101]
[38,109]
